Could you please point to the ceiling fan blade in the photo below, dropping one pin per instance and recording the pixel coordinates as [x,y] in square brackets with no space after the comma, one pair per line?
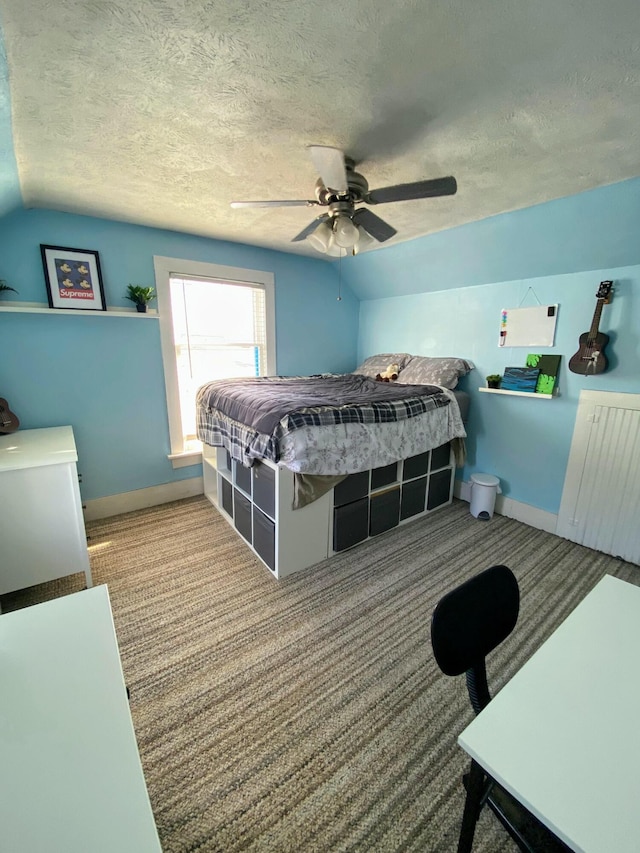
[310,228]
[373,225]
[285,203]
[418,189]
[329,164]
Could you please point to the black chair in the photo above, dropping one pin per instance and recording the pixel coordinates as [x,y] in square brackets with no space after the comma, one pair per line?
[467,624]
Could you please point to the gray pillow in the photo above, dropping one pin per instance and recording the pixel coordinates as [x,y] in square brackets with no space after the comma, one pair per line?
[423,370]
[378,363]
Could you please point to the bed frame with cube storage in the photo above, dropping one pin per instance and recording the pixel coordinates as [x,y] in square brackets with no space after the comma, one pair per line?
[258,503]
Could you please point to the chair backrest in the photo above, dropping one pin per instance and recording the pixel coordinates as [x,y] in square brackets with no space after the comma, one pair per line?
[470,621]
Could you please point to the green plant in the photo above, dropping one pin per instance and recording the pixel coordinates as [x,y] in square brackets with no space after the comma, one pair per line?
[493,377]
[139,294]
[4,286]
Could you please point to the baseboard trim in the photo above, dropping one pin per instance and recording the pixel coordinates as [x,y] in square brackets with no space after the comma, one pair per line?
[142,498]
[155,495]
[527,514]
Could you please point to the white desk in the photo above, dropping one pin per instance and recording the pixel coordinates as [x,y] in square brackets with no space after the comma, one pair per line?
[70,774]
[563,736]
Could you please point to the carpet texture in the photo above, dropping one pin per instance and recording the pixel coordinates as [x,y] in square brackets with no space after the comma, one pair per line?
[308,714]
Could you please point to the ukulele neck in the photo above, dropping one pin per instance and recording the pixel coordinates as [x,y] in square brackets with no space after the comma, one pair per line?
[595,323]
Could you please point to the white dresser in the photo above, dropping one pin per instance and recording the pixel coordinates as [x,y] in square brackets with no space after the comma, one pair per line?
[42,531]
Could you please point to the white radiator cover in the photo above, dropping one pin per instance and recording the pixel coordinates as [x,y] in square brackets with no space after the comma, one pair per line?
[601,492]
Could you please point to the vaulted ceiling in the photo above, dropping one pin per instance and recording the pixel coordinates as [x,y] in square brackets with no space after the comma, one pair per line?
[162,112]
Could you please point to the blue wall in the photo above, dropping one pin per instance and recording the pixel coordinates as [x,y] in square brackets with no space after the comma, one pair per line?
[589,231]
[523,441]
[103,375]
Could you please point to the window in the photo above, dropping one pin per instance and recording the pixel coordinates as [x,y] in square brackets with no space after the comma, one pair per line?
[215,322]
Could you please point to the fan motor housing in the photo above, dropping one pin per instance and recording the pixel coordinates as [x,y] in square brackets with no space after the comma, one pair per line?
[358,188]
[338,207]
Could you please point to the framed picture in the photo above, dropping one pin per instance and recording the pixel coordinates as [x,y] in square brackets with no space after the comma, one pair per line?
[73,278]
[520,379]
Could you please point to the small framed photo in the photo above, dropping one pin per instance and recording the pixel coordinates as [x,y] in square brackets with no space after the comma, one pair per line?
[73,278]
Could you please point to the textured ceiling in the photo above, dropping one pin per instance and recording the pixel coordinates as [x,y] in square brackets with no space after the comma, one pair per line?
[161,112]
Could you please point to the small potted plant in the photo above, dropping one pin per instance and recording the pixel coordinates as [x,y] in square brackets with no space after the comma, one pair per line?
[493,380]
[141,296]
[4,287]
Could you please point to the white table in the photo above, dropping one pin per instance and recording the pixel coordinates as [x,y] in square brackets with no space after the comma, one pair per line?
[41,522]
[70,774]
[563,736]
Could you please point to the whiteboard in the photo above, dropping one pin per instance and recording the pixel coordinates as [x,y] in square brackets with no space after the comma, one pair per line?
[528,327]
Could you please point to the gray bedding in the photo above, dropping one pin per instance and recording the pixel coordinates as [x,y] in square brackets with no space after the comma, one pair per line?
[327,442]
[261,403]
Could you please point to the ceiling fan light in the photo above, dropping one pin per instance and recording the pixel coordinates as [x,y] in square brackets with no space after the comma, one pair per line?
[364,240]
[334,250]
[321,238]
[345,232]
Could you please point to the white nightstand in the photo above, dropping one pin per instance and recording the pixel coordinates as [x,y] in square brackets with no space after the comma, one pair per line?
[42,531]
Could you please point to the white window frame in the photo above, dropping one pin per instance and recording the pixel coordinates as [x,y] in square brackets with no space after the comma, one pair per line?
[164,269]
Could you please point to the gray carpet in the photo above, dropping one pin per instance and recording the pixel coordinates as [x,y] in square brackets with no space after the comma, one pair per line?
[308,714]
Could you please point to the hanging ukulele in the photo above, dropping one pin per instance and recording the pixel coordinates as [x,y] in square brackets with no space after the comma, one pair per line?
[590,358]
[8,421]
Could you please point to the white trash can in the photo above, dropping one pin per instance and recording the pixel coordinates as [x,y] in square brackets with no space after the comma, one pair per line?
[484,488]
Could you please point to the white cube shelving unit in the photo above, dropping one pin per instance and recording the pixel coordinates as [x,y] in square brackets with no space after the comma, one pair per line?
[258,501]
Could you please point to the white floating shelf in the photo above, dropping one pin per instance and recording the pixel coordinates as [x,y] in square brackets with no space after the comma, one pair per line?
[43,308]
[518,393]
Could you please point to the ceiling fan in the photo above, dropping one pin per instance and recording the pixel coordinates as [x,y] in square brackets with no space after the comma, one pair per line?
[340,188]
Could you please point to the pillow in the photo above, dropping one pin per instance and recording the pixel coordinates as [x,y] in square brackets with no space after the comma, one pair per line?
[422,370]
[378,363]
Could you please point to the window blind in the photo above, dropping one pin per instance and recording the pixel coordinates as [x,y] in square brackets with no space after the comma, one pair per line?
[219,332]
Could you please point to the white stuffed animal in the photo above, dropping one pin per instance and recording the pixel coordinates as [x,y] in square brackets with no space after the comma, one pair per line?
[390,374]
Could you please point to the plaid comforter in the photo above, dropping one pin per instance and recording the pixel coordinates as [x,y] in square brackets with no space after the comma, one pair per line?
[250,417]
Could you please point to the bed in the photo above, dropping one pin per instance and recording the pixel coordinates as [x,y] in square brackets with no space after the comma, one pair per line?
[304,467]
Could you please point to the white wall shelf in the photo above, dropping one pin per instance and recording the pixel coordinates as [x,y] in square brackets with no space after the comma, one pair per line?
[518,393]
[43,308]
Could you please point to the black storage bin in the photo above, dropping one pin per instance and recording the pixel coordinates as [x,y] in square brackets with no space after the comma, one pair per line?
[264,488]
[353,487]
[228,458]
[242,515]
[439,488]
[384,476]
[384,512]
[440,457]
[242,477]
[413,498]
[264,538]
[415,466]
[350,524]
[227,497]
